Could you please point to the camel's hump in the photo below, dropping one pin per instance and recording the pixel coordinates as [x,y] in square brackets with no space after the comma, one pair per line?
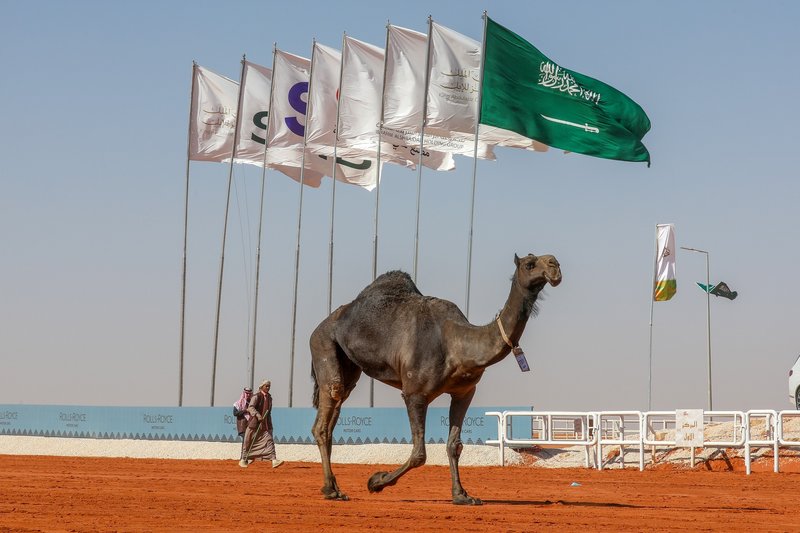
[394,282]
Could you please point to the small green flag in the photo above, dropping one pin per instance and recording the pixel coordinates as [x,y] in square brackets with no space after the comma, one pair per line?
[720,289]
[525,92]
[706,288]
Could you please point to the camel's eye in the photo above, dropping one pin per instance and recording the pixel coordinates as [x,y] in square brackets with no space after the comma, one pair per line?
[530,266]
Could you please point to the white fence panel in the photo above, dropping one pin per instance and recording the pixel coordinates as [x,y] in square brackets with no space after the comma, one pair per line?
[761,430]
[789,428]
[541,428]
[721,429]
[620,428]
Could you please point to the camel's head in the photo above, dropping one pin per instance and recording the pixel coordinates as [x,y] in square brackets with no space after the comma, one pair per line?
[534,272]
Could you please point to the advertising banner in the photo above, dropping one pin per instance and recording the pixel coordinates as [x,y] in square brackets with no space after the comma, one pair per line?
[217,424]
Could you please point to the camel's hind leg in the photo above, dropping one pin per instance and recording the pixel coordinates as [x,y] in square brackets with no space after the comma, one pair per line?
[327,415]
[417,406]
[335,378]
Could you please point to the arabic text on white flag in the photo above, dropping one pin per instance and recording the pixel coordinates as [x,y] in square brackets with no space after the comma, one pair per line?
[454,89]
[360,109]
[404,95]
[212,120]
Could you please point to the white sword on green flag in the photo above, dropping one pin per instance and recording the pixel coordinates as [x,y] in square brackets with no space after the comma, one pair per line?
[585,127]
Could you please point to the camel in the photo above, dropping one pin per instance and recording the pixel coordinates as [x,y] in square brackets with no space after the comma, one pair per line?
[422,345]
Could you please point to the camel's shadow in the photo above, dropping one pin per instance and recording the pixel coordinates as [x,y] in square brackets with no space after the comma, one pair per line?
[537,503]
[547,503]
[543,503]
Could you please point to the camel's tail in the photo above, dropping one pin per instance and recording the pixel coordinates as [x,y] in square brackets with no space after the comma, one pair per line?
[315,394]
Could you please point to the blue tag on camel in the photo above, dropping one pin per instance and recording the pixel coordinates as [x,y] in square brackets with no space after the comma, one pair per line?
[521,360]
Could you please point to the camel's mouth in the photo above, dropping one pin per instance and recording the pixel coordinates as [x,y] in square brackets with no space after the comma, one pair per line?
[554,281]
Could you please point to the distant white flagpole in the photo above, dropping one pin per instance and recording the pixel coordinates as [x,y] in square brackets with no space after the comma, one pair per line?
[185,239]
[708,318]
[378,184]
[652,300]
[333,185]
[251,377]
[299,226]
[378,195]
[251,373]
[475,164]
[421,142]
[225,235]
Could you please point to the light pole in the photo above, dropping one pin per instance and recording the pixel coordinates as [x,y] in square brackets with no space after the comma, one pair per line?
[708,319]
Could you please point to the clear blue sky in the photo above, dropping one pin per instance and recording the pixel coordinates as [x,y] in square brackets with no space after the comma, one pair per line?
[96,98]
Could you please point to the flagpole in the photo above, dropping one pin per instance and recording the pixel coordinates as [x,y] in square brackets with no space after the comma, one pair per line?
[652,300]
[185,239]
[708,328]
[708,318]
[378,195]
[333,186]
[330,243]
[224,237]
[251,376]
[297,249]
[378,185]
[475,164]
[421,143]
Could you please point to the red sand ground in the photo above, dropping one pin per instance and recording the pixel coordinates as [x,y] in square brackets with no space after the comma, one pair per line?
[100,494]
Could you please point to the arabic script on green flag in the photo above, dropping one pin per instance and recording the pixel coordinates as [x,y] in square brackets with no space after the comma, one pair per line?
[525,92]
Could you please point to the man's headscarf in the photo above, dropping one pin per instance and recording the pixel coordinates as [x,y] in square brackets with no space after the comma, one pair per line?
[241,405]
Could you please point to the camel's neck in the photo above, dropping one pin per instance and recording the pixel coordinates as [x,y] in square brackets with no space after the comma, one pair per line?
[490,347]
[518,308]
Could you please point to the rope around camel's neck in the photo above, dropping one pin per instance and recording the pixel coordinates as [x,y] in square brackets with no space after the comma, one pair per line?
[517,310]
[489,347]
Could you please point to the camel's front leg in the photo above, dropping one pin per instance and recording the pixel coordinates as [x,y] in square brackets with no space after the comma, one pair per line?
[417,406]
[458,409]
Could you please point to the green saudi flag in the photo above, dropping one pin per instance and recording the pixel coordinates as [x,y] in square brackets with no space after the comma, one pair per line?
[525,92]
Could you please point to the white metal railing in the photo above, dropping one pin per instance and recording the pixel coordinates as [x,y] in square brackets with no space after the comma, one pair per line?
[620,428]
[722,429]
[790,437]
[733,420]
[501,442]
[552,428]
[761,434]
[767,428]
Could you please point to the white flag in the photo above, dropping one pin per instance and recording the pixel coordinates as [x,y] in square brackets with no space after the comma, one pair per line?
[405,79]
[256,86]
[360,108]
[286,118]
[404,95]
[353,166]
[322,99]
[360,95]
[287,125]
[212,119]
[454,88]
[256,82]
[665,284]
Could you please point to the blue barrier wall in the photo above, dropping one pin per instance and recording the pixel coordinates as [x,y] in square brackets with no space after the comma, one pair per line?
[217,424]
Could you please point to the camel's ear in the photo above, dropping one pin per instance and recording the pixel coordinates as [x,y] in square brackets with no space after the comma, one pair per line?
[516,260]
